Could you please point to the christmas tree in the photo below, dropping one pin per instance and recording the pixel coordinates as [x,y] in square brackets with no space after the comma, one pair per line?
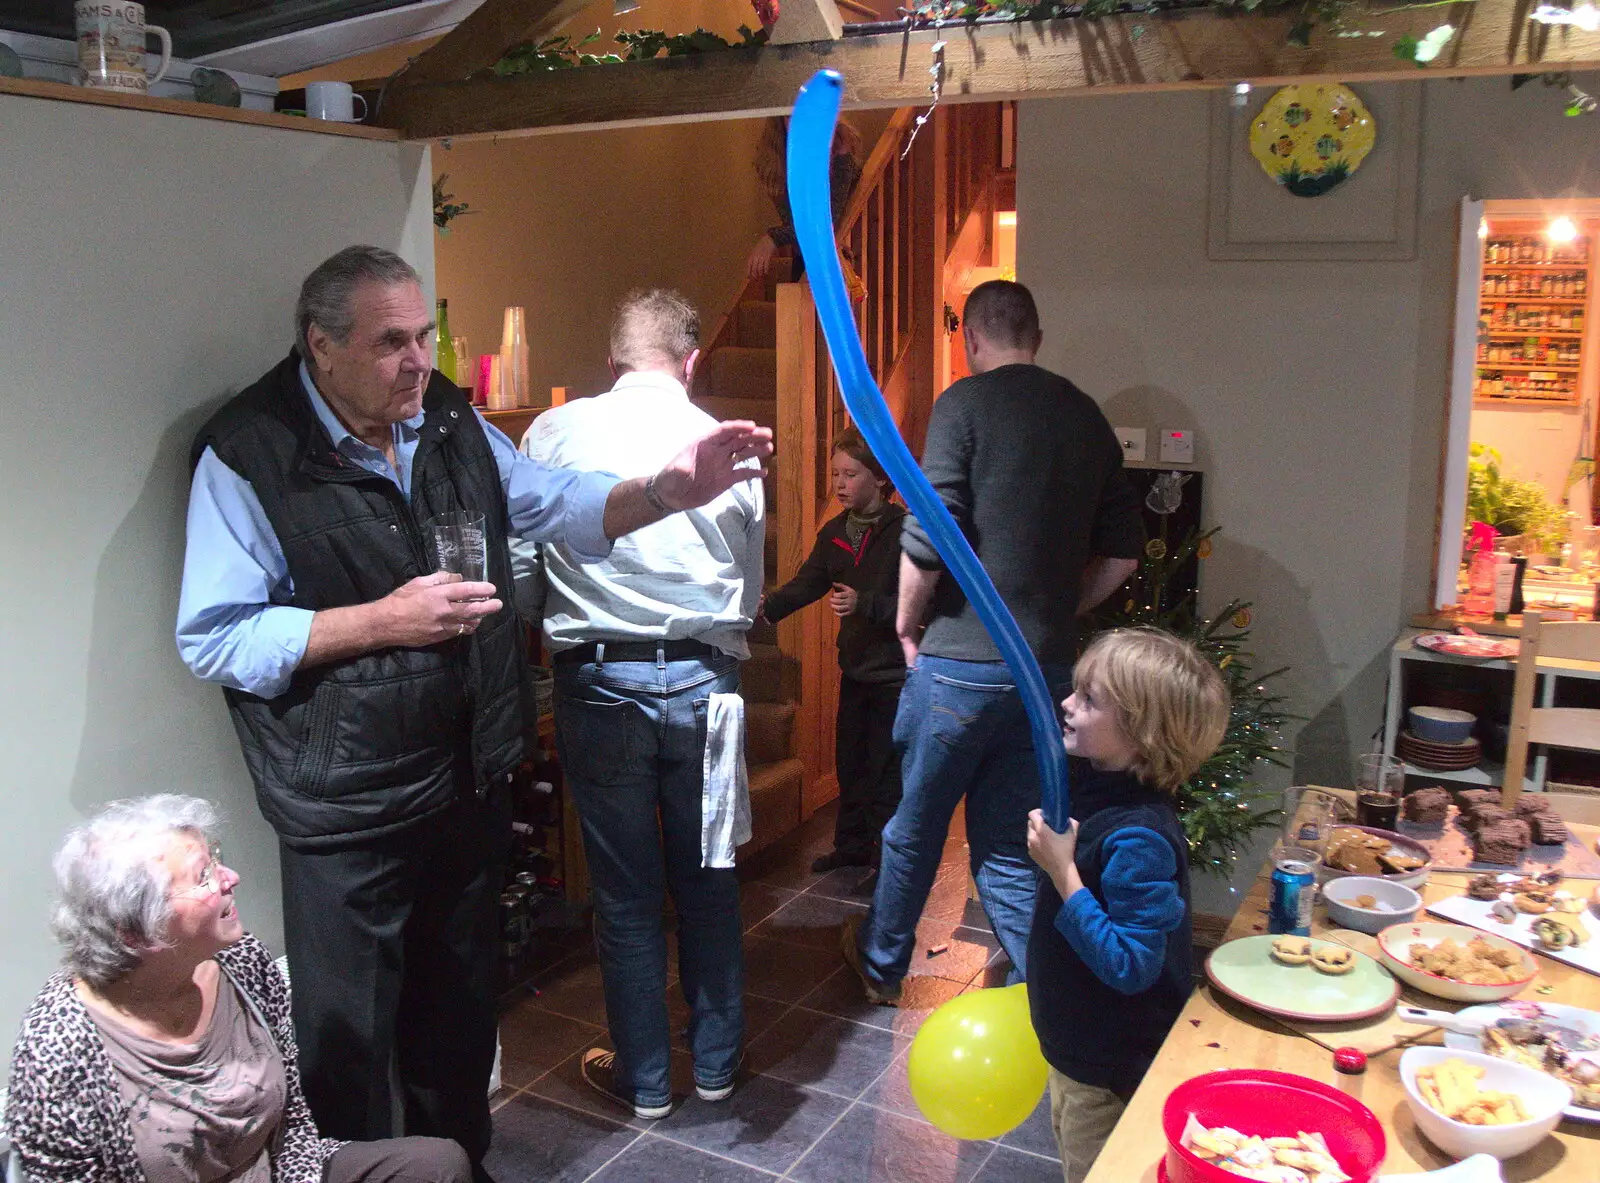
[1219,806]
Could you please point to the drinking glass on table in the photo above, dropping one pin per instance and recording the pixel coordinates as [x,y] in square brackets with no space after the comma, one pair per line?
[458,545]
[1380,783]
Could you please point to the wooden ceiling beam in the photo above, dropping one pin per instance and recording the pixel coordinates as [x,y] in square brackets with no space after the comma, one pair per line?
[489,30]
[1202,49]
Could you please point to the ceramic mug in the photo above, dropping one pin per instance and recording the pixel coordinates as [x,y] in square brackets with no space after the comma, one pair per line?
[111,46]
[333,101]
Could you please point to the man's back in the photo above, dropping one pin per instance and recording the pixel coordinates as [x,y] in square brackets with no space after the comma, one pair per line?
[696,574]
[1032,473]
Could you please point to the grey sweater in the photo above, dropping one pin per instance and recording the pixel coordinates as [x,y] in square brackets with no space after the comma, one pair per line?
[1032,473]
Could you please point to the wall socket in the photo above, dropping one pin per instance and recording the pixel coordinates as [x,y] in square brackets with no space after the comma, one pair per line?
[1132,440]
[1177,446]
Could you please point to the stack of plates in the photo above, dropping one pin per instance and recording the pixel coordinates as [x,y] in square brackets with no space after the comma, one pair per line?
[1440,757]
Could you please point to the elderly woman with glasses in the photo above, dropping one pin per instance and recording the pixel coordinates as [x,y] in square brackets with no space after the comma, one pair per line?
[163,1050]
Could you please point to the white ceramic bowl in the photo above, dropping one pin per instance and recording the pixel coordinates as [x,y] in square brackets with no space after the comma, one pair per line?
[1400,843]
[1394,946]
[1544,1097]
[1396,902]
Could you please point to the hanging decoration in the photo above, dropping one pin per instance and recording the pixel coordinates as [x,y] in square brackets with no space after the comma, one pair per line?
[1310,138]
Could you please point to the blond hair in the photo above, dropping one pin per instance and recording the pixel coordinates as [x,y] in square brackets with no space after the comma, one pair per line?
[1170,701]
[653,329]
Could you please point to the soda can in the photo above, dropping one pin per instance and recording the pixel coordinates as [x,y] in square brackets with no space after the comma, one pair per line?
[1294,888]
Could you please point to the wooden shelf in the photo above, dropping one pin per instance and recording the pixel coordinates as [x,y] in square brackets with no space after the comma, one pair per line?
[1495,400]
[1519,368]
[1531,333]
[1578,265]
[37,88]
[1507,298]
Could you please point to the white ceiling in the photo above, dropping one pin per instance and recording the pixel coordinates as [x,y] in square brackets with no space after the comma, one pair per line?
[311,48]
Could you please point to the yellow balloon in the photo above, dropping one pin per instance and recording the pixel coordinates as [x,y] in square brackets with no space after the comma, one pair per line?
[975,1068]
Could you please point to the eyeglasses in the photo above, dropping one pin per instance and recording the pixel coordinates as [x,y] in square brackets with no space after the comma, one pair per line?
[210,881]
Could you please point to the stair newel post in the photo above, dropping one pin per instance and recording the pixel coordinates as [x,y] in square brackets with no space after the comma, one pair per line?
[804,636]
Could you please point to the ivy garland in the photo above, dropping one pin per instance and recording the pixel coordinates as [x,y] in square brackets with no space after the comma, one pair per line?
[563,53]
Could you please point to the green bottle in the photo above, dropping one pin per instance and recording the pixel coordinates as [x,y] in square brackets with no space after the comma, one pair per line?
[447,364]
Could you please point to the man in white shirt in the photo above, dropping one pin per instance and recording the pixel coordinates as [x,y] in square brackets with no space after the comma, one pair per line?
[641,641]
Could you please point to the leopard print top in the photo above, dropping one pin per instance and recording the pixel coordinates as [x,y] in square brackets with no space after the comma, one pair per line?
[66,1119]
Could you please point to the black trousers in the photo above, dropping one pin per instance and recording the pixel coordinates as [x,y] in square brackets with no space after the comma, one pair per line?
[868,764]
[392,950]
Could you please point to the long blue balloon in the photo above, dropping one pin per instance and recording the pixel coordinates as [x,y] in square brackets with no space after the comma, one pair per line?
[816,110]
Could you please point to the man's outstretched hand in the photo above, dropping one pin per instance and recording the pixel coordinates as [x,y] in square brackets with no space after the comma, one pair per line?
[709,467]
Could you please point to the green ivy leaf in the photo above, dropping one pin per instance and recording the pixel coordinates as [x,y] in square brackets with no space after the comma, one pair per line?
[1406,48]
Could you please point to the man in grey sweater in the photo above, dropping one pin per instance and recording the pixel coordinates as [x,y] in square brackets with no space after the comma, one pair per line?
[1032,473]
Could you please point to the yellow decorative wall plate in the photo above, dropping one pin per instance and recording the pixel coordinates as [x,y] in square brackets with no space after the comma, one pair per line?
[1311,138]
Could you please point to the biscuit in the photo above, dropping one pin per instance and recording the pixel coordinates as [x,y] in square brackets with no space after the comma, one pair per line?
[1333,959]
[1292,950]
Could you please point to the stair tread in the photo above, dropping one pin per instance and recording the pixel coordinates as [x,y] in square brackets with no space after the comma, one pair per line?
[774,772]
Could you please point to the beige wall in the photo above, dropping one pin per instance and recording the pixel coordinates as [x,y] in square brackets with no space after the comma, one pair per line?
[565,224]
[150,268]
[1317,390]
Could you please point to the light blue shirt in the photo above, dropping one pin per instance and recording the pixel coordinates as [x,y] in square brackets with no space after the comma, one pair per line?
[236,625]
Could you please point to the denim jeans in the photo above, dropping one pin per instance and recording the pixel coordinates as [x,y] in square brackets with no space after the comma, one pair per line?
[632,737]
[962,732]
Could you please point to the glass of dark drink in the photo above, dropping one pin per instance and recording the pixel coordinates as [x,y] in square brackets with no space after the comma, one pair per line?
[1380,810]
[1380,783]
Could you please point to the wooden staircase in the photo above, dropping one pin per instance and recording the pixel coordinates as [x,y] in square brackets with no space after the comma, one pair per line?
[913,224]
[738,380]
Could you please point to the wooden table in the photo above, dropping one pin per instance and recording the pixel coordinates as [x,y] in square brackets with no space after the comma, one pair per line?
[1214,1032]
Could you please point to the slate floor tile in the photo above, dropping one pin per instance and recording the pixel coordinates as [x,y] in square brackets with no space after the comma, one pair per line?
[874,1146]
[537,1140]
[841,995]
[1013,1166]
[655,1160]
[768,1123]
[810,920]
[534,1040]
[824,1052]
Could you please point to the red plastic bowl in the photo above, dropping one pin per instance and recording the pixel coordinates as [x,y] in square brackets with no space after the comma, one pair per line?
[1271,1104]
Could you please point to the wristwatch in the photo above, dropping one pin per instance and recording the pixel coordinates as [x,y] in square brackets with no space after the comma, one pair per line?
[653,497]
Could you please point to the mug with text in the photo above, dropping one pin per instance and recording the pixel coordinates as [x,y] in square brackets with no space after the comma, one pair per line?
[334,101]
[111,46]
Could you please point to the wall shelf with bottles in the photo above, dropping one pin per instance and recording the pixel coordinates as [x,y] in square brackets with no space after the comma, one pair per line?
[1532,317]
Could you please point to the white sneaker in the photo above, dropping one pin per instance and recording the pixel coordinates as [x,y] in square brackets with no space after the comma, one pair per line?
[598,1067]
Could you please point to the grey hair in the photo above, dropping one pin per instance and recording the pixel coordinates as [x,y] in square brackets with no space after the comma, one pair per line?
[112,906]
[653,327]
[326,294]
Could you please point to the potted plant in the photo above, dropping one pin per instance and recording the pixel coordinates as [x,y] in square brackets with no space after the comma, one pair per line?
[1513,506]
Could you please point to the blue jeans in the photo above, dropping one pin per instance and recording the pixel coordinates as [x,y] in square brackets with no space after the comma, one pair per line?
[632,737]
[961,732]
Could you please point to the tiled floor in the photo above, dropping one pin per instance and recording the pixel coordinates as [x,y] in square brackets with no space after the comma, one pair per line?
[826,1100]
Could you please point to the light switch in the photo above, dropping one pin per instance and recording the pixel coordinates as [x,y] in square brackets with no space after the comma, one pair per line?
[1132,441]
[1177,446]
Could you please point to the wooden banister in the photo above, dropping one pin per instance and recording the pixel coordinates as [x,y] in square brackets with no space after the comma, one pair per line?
[909,212]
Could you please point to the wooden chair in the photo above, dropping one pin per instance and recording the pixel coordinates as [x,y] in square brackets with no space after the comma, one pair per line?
[1564,727]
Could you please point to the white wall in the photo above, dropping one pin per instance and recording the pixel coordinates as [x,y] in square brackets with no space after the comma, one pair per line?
[150,265]
[1538,444]
[1317,390]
